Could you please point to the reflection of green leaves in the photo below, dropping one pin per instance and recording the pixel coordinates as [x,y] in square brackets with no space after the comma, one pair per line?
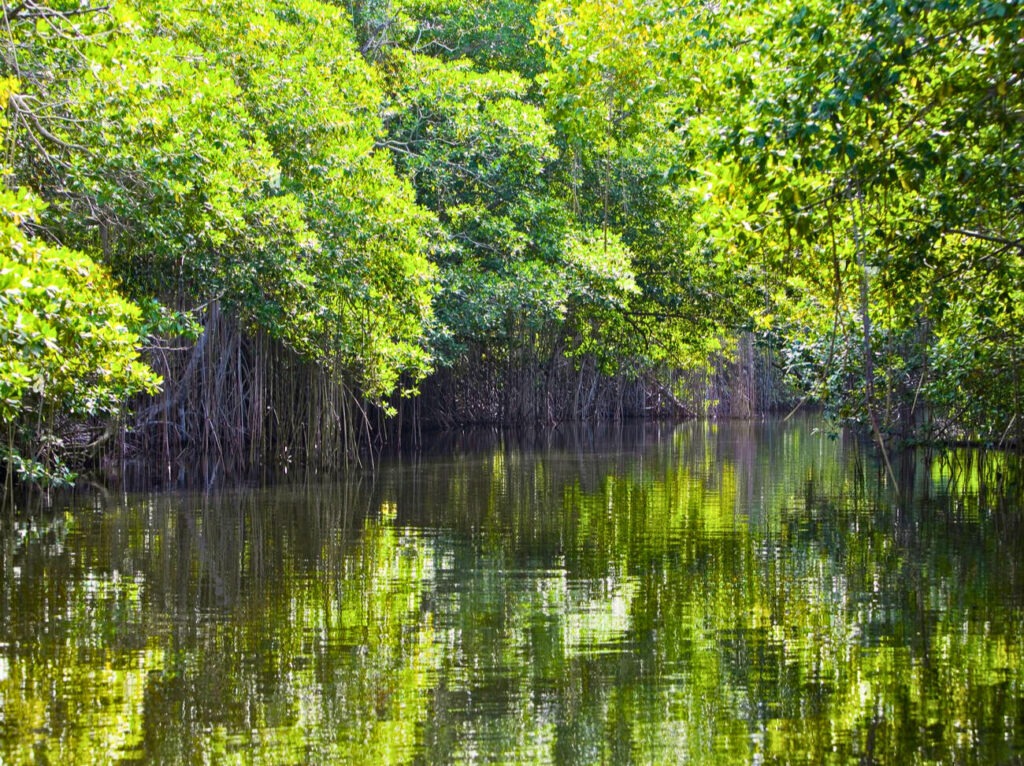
[734,592]
[280,646]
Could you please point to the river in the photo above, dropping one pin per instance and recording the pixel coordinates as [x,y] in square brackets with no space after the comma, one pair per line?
[701,593]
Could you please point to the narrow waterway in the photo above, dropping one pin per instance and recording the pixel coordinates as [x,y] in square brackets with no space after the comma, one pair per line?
[731,593]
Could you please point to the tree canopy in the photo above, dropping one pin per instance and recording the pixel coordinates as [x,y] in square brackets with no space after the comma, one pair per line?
[393,189]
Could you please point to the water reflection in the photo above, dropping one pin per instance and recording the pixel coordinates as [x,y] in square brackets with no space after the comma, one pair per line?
[734,593]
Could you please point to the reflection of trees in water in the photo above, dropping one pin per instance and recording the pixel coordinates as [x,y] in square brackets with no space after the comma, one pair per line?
[256,627]
[707,592]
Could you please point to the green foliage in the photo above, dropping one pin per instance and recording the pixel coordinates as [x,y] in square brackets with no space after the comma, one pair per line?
[69,342]
[216,155]
[493,34]
[183,175]
[386,186]
[315,99]
[227,154]
[866,157]
[613,88]
[475,150]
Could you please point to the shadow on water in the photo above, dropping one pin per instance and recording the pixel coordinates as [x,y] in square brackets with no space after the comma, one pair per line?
[743,592]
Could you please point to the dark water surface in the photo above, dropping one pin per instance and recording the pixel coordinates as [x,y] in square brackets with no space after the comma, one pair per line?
[739,593]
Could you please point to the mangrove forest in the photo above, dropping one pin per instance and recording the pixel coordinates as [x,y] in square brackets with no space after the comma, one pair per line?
[541,382]
[241,238]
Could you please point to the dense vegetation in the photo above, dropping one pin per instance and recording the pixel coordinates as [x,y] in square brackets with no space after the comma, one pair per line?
[293,215]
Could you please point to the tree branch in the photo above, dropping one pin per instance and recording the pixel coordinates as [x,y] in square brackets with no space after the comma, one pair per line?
[1017,243]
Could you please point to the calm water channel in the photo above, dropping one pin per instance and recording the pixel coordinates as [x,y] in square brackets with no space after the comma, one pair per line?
[733,593]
